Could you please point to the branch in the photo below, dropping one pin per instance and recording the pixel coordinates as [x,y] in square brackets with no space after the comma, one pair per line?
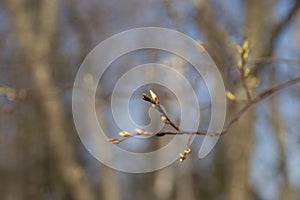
[255,100]
[277,29]
[217,37]
[267,60]
[155,103]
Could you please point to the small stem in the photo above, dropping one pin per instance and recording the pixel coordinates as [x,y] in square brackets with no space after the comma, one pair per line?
[253,101]
[243,78]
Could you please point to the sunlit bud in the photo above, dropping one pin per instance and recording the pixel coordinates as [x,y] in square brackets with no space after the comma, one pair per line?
[10,93]
[146,97]
[252,82]
[245,55]
[114,140]
[188,150]
[246,72]
[154,97]
[239,49]
[141,131]
[182,157]
[164,119]
[246,45]
[240,64]
[231,96]
[124,134]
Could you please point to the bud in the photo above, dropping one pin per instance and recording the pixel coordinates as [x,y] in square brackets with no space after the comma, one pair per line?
[182,157]
[240,64]
[246,45]
[246,72]
[239,49]
[154,97]
[231,96]
[188,150]
[141,131]
[252,82]
[125,134]
[114,140]
[146,97]
[245,55]
[164,119]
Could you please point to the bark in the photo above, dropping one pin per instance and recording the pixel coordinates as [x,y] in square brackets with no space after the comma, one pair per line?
[240,141]
[35,47]
[286,190]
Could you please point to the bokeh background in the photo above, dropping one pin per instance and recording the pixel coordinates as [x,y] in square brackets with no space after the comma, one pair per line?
[42,46]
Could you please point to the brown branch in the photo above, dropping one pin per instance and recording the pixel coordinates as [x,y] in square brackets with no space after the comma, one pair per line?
[217,37]
[278,28]
[275,33]
[255,100]
[155,103]
[172,13]
[164,117]
[199,132]
[157,106]
[267,60]
[245,85]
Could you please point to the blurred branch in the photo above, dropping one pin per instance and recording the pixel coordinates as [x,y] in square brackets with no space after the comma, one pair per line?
[267,60]
[155,103]
[286,190]
[258,98]
[253,101]
[218,41]
[172,13]
[276,31]
[12,94]
[281,26]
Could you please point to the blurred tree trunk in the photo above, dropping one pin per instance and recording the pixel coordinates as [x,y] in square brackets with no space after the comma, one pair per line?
[35,47]
[239,140]
[110,184]
[184,182]
[279,130]
[218,43]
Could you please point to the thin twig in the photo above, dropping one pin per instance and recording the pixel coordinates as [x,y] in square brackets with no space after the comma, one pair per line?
[279,27]
[244,83]
[158,107]
[267,60]
[155,103]
[255,100]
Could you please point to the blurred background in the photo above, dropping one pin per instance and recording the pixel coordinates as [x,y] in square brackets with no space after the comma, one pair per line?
[42,46]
